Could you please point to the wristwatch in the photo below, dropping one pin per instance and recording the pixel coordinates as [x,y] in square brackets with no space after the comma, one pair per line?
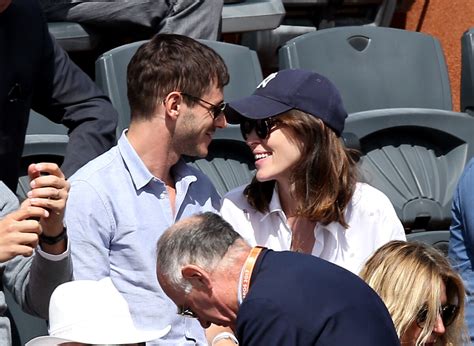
[224,336]
[53,240]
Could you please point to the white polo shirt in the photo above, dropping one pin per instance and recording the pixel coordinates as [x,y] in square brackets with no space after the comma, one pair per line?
[370,215]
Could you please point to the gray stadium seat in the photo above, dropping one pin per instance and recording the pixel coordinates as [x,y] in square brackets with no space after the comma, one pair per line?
[438,239]
[73,37]
[416,158]
[467,71]
[230,164]
[24,326]
[44,141]
[375,67]
[395,86]
[251,15]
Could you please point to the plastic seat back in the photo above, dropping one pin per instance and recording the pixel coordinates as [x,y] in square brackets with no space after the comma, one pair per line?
[375,67]
[437,239]
[229,164]
[416,158]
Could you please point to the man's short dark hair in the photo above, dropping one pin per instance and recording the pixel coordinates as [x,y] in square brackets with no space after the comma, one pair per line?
[167,63]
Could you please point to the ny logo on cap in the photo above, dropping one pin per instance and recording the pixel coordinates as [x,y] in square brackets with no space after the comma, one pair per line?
[264,82]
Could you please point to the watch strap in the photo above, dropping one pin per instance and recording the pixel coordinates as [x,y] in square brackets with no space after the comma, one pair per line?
[53,240]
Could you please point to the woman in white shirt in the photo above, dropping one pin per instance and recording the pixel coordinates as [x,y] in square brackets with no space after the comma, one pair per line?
[304,196]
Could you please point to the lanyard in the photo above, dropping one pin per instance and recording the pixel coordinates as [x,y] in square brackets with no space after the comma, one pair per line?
[248,268]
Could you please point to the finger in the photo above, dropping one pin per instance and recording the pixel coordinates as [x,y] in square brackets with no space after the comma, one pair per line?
[25,227]
[50,168]
[8,253]
[46,193]
[27,211]
[24,250]
[55,206]
[33,172]
[29,239]
[49,181]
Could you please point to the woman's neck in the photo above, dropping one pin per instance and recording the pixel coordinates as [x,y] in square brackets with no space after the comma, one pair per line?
[286,200]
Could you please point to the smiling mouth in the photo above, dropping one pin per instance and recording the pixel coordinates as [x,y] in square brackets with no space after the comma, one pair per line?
[260,156]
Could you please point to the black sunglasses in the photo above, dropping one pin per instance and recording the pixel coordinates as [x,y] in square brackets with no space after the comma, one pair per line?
[262,127]
[447,312]
[214,109]
[186,312]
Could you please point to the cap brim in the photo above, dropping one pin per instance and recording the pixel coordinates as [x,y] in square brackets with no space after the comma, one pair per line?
[254,107]
[129,338]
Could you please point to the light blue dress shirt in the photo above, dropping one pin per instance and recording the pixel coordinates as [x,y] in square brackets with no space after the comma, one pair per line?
[116,212]
[461,241]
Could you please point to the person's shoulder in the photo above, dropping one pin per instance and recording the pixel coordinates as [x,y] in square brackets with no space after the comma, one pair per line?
[8,200]
[369,197]
[236,196]
[468,172]
[100,169]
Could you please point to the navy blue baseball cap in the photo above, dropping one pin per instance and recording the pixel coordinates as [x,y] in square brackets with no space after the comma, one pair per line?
[284,90]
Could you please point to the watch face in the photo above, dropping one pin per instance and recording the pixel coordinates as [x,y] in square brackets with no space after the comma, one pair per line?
[225,336]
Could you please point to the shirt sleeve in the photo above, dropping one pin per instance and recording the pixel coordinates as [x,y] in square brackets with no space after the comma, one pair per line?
[462,223]
[90,229]
[32,280]
[66,95]
[52,257]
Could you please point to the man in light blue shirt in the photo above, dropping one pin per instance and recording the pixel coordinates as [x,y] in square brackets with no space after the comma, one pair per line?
[121,202]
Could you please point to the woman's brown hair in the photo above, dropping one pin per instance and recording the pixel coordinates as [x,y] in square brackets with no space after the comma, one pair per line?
[323,181]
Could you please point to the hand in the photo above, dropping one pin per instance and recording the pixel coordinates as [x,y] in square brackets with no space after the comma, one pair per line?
[50,193]
[19,233]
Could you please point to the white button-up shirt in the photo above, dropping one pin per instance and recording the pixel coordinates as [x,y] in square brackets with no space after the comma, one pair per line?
[370,215]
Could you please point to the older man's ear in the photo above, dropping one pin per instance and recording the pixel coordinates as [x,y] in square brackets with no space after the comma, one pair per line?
[196,276]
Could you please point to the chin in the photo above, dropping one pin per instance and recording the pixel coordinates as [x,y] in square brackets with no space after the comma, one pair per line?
[262,178]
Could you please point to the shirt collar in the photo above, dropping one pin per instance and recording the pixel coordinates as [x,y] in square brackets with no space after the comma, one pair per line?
[275,207]
[140,174]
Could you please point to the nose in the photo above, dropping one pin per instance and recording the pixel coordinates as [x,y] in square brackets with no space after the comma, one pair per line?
[252,139]
[220,121]
[439,326]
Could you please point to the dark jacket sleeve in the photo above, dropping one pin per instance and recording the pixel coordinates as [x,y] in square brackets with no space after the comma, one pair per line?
[65,94]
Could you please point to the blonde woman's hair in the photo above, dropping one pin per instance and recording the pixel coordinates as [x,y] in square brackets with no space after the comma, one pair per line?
[408,277]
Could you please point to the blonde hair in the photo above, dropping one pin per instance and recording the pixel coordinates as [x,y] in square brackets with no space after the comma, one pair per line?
[408,277]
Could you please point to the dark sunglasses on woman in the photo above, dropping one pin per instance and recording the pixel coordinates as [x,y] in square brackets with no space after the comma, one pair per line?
[262,127]
[447,312]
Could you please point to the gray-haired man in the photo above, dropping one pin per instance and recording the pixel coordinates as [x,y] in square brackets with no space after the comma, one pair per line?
[266,297]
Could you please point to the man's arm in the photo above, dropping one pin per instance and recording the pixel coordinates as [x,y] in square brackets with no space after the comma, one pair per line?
[90,225]
[33,279]
[462,224]
[65,94]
